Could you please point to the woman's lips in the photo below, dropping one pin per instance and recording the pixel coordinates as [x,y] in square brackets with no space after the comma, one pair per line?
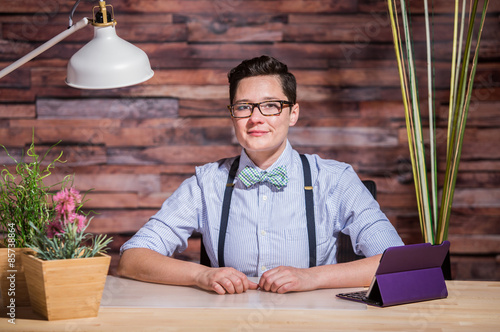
[257,133]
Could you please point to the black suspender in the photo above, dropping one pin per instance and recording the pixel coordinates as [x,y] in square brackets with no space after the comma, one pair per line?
[225,209]
[308,191]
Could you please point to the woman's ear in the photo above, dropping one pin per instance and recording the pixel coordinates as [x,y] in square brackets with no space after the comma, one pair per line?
[294,114]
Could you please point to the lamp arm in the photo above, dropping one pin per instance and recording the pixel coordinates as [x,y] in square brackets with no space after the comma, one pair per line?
[45,46]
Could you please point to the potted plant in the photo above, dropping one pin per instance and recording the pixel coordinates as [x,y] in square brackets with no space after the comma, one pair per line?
[67,271]
[434,216]
[24,201]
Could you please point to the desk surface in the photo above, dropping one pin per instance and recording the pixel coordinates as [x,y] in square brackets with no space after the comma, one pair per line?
[470,306]
[127,293]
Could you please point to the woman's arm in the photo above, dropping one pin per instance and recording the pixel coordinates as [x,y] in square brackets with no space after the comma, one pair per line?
[148,265]
[352,274]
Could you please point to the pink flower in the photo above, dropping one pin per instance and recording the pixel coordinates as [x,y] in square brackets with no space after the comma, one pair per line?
[78,219]
[67,200]
[81,222]
[54,228]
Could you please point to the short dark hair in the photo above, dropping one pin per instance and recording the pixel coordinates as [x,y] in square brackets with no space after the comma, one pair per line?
[263,66]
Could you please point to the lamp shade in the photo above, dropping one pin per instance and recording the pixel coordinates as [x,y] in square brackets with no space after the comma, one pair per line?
[107,62]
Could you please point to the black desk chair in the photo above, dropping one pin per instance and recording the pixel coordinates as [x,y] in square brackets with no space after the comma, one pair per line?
[345,253]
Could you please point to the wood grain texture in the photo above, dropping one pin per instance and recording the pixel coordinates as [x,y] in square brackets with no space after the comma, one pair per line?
[133,146]
[66,288]
[470,306]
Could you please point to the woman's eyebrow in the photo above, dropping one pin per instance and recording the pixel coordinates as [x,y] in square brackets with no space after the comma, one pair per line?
[265,99]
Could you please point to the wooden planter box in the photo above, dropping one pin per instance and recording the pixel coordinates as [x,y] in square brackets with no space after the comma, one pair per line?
[66,288]
[13,288]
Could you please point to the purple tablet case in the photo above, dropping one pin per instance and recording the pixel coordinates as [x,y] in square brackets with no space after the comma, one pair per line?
[408,274]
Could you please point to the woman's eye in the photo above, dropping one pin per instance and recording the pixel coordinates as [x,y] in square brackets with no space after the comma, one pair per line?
[242,107]
[270,105]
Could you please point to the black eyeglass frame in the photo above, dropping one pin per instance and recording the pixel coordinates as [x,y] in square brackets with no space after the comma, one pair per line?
[282,102]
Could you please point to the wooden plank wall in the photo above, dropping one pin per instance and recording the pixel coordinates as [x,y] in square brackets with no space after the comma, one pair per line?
[134,146]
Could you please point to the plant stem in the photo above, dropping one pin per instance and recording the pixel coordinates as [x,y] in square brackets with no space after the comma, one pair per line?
[432,128]
[453,159]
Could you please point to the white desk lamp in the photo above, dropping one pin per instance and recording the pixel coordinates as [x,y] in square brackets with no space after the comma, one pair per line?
[106,62]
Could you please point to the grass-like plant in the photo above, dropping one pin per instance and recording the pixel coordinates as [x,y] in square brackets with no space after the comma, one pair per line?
[24,198]
[434,217]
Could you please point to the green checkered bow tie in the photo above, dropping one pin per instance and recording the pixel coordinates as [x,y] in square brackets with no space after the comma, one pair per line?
[277,177]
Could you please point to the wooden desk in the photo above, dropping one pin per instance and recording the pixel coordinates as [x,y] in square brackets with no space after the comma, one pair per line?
[470,306]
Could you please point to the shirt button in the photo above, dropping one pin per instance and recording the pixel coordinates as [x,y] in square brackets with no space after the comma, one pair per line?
[263,233]
[264,198]
[263,268]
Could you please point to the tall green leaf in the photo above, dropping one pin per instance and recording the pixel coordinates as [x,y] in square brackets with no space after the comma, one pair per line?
[434,220]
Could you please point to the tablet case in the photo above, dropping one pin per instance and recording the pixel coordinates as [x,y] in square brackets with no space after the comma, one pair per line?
[410,273]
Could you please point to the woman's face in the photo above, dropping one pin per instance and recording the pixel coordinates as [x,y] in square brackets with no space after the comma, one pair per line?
[263,137]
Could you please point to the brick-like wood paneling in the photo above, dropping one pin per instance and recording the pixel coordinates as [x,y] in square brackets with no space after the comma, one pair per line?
[134,146]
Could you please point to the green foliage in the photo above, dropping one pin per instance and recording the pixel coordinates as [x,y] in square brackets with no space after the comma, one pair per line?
[68,245]
[24,198]
[434,219]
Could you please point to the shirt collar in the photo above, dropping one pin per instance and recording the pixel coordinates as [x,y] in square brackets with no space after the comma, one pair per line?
[284,159]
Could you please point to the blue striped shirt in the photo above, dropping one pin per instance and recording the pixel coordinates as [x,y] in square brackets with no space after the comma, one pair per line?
[267,227]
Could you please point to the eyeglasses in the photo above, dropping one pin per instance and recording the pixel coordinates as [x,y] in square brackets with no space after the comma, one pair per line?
[266,108]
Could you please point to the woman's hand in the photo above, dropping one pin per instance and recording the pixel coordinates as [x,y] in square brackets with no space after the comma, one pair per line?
[285,279]
[224,280]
